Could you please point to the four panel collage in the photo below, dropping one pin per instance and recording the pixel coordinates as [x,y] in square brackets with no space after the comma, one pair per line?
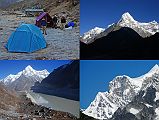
[79,60]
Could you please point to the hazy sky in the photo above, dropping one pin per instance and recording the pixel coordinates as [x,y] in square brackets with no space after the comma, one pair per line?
[14,66]
[101,13]
[96,75]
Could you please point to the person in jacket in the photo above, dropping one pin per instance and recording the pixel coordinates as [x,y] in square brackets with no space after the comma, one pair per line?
[63,22]
[55,21]
[44,25]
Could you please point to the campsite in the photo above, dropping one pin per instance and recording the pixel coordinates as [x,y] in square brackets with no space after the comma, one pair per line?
[21,36]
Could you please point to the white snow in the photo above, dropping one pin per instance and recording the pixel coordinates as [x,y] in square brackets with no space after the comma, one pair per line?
[134,111]
[143,29]
[91,34]
[137,82]
[110,101]
[108,110]
[148,105]
[157,96]
[28,71]
[127,17]
[148,28]
[157,114]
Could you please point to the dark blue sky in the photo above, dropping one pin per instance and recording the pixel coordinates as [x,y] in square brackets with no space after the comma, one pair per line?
[14,66]
[101,13]
[96,75]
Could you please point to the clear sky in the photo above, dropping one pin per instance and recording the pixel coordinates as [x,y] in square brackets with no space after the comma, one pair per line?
[14,66]
[96,75]
[101,13]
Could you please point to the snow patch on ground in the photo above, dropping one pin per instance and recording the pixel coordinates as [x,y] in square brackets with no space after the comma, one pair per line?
[157,113]
[157,96]
[148,105]
[134,111]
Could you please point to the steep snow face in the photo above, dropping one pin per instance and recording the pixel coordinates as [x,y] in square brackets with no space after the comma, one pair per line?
[88,36]
[27,72]
[102,107]
[143,29]
[122,90]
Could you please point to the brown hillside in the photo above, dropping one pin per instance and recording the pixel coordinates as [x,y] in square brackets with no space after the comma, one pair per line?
[68,7]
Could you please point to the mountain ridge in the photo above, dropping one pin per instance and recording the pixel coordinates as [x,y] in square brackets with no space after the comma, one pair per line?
[124,43]
[122,91]
[28,76]
[143,29]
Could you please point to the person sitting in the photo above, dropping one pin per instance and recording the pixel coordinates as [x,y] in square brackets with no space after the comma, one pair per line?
[43,25]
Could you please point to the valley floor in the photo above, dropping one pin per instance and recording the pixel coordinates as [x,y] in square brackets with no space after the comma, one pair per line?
[61,44]
[56,103]
[27,110]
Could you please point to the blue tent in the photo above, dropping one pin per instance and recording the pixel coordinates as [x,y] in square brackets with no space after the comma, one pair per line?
[26,38]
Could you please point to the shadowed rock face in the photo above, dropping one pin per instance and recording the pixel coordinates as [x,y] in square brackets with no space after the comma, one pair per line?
[62,82]
[85,117]
[143,105]
[124,43]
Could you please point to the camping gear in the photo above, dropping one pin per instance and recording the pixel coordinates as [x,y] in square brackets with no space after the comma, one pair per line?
[47,17]
[26,38]
[71,24]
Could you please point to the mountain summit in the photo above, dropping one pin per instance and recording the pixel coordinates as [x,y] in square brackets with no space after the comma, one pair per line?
[126,20]
[123,90]
[127,17]
[24,79]
[143,29]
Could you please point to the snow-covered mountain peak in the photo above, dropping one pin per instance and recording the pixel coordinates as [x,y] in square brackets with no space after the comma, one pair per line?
[91,34]
[127,17]
[122,90]
[154,69]
[29,68]
[143,29]
[27,72]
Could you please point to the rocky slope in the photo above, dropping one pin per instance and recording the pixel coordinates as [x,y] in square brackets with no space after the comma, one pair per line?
[16,106]
[70,8]
[143,29]
[5,3]
[62,82]
[9,101]
[127,95]
[25,79]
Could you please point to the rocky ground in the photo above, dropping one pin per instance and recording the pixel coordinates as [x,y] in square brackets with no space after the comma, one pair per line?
[19,107]
[61,44]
